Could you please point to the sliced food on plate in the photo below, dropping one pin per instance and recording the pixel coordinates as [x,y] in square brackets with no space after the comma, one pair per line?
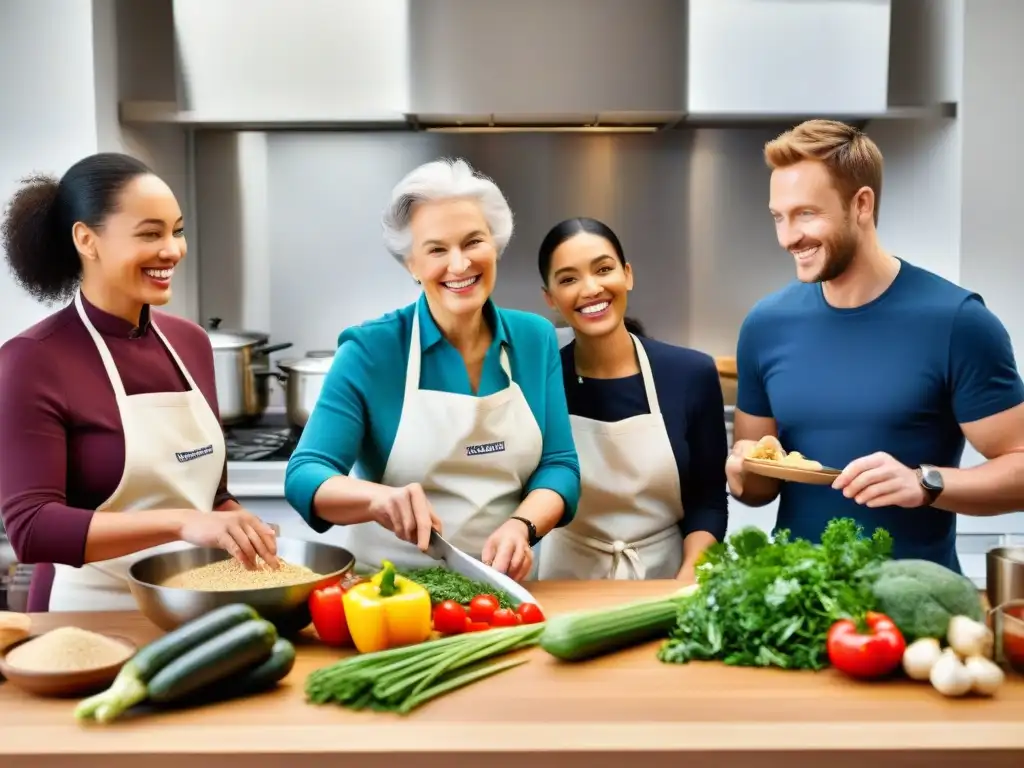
[769,459]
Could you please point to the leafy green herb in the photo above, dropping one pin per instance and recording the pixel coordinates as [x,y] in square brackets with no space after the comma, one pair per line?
[769,602]
[443,584]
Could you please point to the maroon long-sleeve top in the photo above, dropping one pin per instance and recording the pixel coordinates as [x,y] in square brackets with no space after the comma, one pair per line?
[61,439]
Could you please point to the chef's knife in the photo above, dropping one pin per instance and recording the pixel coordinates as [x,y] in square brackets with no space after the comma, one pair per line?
[461,563]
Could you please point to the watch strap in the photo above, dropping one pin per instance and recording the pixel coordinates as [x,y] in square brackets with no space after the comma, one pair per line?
[931,492]
[530,528]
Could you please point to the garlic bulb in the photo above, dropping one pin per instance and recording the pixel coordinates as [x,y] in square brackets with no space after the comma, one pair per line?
[949,677]
[920,656]
[969,637]
[986,676]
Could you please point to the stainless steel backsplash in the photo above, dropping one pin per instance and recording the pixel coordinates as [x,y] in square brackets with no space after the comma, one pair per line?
[289,223]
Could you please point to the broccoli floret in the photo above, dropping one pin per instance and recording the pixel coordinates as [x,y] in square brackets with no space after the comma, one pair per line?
[921,597]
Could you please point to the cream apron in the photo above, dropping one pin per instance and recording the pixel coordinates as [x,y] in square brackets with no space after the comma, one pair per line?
[472,455]
[627,522]
[173,459]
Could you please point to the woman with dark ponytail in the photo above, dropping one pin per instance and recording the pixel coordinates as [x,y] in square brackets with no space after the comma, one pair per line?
[112,446]
[648,422]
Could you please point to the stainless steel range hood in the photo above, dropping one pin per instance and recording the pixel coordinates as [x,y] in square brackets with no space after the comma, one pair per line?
[551,65]
[563,64]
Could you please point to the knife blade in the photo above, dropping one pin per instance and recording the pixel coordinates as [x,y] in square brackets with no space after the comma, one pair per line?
[461,563]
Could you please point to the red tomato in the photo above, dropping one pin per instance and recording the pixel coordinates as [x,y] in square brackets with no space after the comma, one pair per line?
[505,617]
[477,626]
[530,613]
[866,655]
[450,618]
[482,607]
[328,614]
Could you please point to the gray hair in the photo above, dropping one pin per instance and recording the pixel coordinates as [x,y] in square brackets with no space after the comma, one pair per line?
[444,179]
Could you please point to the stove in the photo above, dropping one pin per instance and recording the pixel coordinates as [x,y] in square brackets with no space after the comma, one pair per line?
[271,439]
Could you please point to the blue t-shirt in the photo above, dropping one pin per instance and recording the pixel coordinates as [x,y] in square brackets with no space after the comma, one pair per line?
[352,427]
[899,374]
[690,396]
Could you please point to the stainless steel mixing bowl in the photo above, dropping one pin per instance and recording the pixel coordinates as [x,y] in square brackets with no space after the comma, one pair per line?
[286,607]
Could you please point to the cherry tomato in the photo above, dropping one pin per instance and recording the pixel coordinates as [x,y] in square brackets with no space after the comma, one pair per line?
[505,617]
[482,607]
[530,613]
[449,618]
[477,626]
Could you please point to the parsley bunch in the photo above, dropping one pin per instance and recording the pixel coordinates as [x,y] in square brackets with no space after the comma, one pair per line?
[769,602]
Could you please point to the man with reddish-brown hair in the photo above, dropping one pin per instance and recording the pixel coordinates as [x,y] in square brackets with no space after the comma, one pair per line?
[871,364]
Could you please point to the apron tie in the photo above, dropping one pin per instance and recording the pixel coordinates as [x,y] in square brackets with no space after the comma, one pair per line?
[625,556]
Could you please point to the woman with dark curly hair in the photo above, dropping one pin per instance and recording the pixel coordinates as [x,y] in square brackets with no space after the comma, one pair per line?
[107,406]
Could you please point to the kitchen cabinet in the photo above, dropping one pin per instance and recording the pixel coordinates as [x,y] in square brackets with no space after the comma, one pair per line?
[306,61]
[779,57]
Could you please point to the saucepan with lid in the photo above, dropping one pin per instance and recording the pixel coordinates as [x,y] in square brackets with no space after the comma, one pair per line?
[242,371]
[302,379]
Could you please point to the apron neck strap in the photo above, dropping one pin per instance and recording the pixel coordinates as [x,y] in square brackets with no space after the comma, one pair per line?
[412,367]
[101,346]
[648,377]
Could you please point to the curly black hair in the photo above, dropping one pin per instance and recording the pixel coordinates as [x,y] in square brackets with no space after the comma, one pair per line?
[35,232]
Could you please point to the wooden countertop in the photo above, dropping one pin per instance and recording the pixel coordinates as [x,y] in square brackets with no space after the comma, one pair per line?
[621,707]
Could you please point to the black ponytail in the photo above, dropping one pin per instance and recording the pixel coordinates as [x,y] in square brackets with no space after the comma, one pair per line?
[35,232]
[634,326]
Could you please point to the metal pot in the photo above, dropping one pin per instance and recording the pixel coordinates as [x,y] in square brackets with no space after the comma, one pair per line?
[302,380]
[242,372]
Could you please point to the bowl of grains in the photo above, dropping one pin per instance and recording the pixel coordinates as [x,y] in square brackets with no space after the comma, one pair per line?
[172,588]
[66,661]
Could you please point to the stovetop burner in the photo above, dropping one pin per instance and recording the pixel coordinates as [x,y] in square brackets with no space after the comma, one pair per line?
[272,439]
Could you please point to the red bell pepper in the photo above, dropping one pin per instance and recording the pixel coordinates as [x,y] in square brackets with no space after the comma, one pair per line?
[328,612]
[866,652]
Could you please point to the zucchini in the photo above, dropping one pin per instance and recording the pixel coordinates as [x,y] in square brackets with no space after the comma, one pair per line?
[241,647]
[152,658]
[585,634]
[129,687]
[255,679]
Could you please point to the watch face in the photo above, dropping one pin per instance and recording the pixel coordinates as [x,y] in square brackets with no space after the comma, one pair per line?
[932,478]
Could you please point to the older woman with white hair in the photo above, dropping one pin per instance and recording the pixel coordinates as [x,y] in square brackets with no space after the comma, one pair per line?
[449,413]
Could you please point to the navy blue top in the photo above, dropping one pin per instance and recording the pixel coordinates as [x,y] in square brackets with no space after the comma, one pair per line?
[690,396]
[899,374]
[353,426]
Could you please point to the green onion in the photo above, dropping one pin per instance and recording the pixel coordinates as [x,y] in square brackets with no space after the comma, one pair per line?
[401,679]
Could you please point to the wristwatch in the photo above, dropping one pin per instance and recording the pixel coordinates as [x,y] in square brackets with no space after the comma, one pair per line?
[931,480]
[530,528]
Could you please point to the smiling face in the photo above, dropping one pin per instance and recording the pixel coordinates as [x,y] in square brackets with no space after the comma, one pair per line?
[132,256]
[588,284]
[453,256]
[814,223]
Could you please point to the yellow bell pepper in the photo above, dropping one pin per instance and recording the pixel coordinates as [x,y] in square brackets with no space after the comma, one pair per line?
[387,611]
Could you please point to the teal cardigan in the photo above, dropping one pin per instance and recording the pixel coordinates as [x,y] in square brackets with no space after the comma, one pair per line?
[353,426]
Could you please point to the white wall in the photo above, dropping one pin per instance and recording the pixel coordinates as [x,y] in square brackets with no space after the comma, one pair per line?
[47,110]
[64,65]
[993,159]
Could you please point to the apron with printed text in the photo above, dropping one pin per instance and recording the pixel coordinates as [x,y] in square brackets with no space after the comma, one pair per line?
[472,455]
[173,459]
[627,522]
